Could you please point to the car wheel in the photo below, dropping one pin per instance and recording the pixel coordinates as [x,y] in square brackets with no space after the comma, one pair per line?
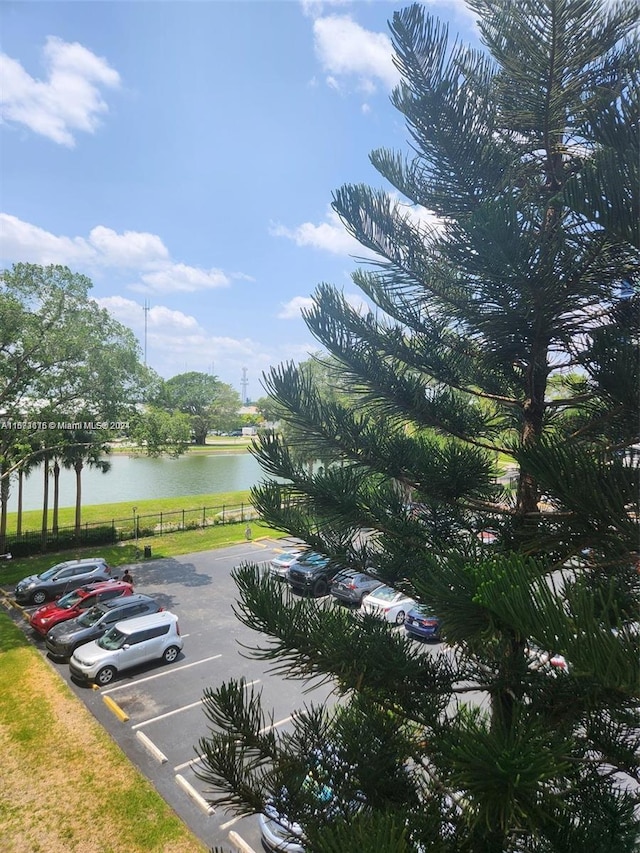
[400,617]
[105,676]
[170,654]
[39,597]
[320,587]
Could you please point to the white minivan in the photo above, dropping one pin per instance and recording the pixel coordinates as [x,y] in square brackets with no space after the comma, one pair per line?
[129,643]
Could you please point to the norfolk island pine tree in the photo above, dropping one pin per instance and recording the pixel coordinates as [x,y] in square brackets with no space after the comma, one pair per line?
[511,327]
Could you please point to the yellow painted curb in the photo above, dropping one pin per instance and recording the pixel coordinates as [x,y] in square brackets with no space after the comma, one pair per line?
[117,710]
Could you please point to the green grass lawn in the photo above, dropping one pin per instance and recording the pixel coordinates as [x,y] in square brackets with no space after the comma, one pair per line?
[166,545]
[65,786]
[32,520]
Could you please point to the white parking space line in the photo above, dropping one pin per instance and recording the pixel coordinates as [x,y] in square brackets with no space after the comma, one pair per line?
[275,725]
[168,714]
[230,822]
[189,763]
[243,553]
[179,710]
[135,682]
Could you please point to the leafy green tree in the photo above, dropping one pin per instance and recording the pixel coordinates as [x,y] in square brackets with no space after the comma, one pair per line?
[528,152]
[160,432]
[62,358]
[210,404]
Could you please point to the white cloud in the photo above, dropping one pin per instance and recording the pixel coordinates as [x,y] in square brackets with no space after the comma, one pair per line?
[130,249]
[174,278]
[105,248]
[331,236]
[314,8]
[346,51]
[176,342]
[291,309]
[22,241]
[67,102]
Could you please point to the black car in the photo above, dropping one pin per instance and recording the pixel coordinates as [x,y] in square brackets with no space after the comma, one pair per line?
[61,578]
[312,574]
[63,639]
[350,586]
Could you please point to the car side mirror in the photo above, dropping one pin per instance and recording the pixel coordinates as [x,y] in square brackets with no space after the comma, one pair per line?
[126,646]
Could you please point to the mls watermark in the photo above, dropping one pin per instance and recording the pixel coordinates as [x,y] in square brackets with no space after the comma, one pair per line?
[73,426]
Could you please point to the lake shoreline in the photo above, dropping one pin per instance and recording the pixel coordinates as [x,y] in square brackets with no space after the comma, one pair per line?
[135,478]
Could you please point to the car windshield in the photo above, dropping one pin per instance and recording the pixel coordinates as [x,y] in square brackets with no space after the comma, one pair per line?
[91,616]
[345,577]
[386,593]
[113,639]
[69,600]
[45,576]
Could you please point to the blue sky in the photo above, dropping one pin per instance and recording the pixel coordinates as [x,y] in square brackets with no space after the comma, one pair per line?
[183,156]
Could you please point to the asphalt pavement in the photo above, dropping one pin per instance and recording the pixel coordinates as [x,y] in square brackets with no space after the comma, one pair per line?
[155,713]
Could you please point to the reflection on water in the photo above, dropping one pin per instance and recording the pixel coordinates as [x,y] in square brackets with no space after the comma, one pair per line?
[140,478]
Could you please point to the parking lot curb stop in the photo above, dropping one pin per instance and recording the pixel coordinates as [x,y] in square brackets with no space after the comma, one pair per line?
[195,796]
[239,843]
[117,710]
[153,749]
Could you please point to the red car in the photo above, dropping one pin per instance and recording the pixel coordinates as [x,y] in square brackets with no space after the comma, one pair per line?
[75,602]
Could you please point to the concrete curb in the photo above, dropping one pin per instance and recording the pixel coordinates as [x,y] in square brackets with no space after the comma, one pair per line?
[195,796]
[117,710]
[239,843]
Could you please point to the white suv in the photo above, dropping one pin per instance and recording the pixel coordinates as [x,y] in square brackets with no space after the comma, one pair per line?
[127,644]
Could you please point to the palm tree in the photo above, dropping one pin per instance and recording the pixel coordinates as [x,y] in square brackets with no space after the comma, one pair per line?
[84,450]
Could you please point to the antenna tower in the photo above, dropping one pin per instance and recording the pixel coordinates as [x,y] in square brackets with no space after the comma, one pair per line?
[146,316]
[244,382]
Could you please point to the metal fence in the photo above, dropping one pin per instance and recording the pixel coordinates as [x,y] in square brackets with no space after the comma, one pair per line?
[137,525]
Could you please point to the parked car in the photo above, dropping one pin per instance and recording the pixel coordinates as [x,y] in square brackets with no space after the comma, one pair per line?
[420,622]
[280,565]
[279,833]
[312,574]
[128,644]
[350,586]
[388,603]
[61,578]
[538,659]
[74,603]
[62,640]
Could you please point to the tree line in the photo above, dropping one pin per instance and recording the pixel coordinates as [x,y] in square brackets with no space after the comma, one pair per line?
[72,381]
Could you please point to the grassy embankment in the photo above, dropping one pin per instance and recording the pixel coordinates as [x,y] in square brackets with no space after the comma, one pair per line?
[54,754]
[65,786]
[167,545]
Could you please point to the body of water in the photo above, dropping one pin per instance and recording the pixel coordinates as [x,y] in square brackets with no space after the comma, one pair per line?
[137,478]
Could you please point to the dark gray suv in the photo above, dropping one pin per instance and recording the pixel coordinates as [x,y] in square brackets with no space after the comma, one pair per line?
[61,578]
[63,639]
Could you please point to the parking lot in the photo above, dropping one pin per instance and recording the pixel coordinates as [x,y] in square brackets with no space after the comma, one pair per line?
[155,714]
